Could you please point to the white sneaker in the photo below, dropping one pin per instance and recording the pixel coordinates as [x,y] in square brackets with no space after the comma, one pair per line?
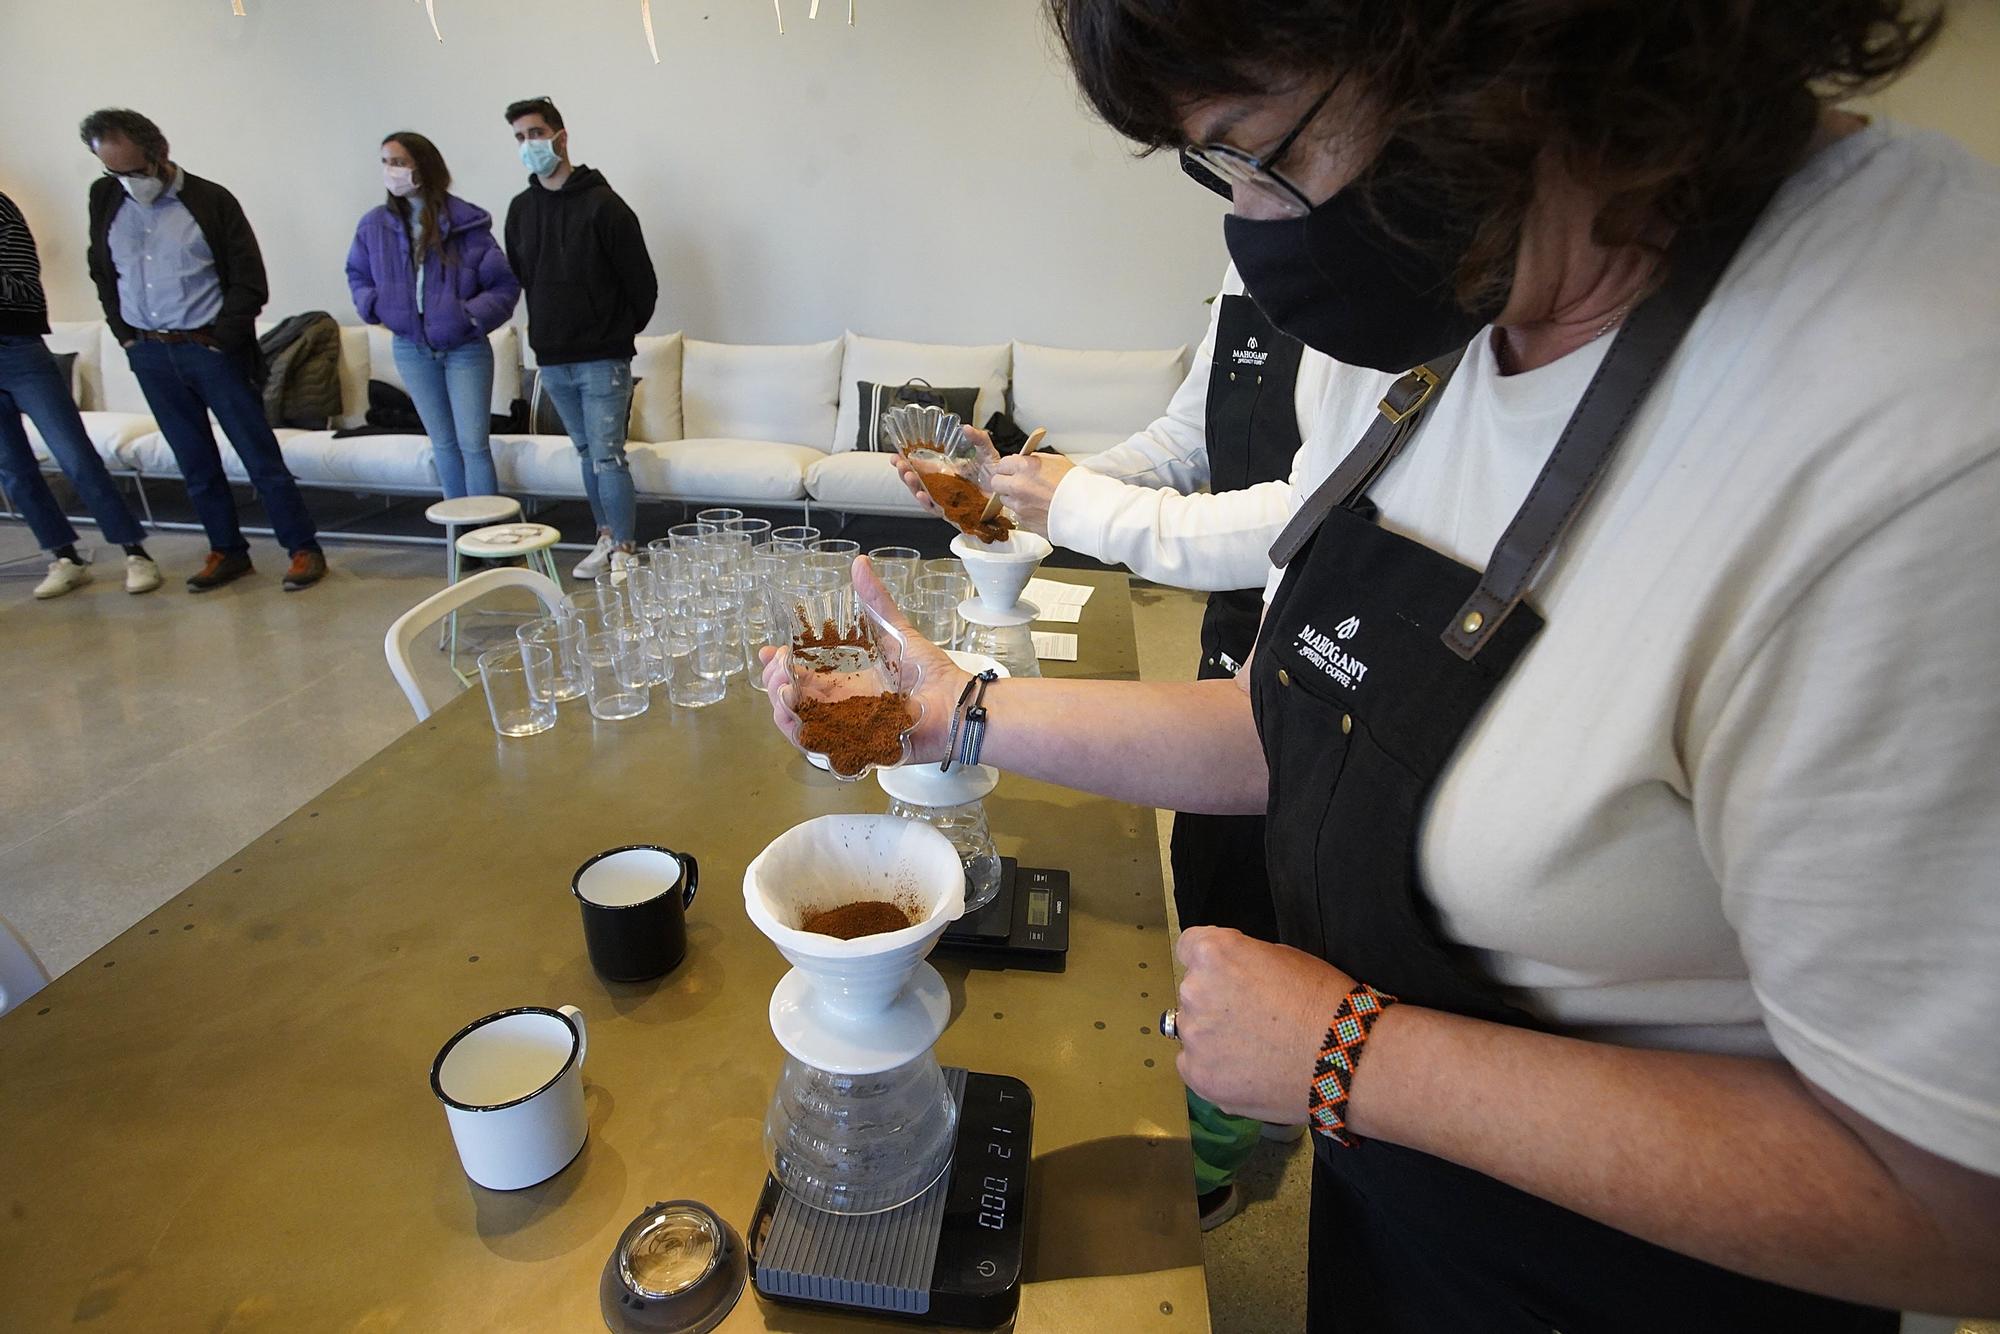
[622,562]
[65,576]
[593,564]
[141,574]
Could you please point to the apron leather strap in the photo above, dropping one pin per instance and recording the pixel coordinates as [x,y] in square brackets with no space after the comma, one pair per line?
[1640,352]
[1396,421]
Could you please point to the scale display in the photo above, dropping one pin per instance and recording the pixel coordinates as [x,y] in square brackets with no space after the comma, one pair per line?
[1026,925]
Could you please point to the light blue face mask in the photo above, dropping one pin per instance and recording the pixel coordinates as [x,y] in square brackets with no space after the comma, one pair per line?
[539,156]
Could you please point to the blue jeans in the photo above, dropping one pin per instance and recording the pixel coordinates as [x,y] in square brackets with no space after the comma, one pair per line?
[183,383]
[452,388]
[31,382]
[594,400]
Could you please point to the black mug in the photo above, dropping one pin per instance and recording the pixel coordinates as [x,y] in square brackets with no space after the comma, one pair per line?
[635,902]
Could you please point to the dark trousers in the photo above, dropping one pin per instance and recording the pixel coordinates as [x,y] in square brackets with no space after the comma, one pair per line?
[31,383]
[184,383]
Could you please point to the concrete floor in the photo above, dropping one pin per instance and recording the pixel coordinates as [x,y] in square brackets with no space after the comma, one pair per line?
[147,738]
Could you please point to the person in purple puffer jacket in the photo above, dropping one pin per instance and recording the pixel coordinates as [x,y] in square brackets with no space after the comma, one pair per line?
[425,266]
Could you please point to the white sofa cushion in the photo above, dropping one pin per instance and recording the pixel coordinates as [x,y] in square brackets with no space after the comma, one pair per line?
[381,365]
[1077,393]
[859,480]
[83,338]
[656,398]
[539,465]
[361,461]
[111,432]
[153,456]
[948,366]
[120,388]
[787,394]
[737,470]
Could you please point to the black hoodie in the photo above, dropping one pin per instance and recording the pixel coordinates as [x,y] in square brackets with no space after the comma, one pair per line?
[582,261]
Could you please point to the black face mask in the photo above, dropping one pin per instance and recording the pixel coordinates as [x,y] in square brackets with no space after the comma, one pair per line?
[1342,283]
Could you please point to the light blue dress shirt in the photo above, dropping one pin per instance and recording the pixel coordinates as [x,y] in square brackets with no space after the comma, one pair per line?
[166,272]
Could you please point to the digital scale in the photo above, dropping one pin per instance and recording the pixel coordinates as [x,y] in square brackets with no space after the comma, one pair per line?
[952,1256]
[1026,924]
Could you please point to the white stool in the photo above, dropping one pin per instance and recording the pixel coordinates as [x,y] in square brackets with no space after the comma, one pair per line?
[506,541]
[465,512]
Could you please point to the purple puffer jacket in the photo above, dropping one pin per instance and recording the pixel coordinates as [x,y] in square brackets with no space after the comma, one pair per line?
[468,296]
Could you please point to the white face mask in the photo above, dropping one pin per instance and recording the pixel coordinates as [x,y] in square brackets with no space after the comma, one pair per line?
[400,181]
[143,189]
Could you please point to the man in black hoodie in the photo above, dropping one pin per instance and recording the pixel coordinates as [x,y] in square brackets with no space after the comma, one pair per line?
[581,258]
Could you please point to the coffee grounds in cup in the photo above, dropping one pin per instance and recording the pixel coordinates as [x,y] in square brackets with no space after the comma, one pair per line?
[870,917]
[857,731]
[963,503]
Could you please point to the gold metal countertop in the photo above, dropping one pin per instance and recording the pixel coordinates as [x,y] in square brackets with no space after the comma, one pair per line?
[222,1121]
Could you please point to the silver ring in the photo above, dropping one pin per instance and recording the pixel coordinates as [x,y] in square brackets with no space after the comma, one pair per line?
[1170,1024]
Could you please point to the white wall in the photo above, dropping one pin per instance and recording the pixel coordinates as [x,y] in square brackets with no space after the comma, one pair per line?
[926,174]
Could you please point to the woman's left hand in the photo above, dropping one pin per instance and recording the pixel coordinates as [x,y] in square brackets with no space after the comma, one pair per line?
[1252,1017]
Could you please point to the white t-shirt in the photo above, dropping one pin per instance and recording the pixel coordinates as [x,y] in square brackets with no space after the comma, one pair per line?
[1145,504]
[1742,794]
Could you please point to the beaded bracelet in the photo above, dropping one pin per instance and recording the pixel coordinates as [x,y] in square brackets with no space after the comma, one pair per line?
[1339,1055]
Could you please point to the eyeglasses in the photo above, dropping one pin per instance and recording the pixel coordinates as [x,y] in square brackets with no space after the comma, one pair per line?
[1226,169]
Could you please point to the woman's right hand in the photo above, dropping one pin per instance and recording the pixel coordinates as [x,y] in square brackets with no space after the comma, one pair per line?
[943,679]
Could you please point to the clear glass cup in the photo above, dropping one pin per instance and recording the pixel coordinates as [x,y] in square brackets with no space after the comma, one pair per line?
[804,534]
[934,612]
[836,546]
[660,557]
[598,609]
[698,654]
[757,530]
[520,688]
[718,515]
[618,673]
[897,568]
[563,636]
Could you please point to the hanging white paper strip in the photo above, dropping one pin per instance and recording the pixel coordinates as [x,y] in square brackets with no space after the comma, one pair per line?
[431,8]
[646,17]
[779,11]
[815,10]
[236,8]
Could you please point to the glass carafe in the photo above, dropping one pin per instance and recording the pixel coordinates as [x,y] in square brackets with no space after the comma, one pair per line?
[954,804]
[859,1144]
[1003,636]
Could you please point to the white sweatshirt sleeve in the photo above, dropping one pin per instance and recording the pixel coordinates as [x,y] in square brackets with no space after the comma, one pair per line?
[1142,503]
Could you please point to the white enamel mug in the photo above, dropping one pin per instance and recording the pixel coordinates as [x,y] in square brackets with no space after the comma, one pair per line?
[512,1088]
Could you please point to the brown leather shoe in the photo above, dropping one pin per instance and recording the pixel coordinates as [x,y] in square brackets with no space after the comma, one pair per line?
[220,568]
[307,568]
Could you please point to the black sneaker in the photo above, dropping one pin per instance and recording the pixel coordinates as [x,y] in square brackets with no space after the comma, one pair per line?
[1218,1206]
[220,568]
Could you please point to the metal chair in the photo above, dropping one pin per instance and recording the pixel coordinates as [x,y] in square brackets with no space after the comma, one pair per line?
[21,973]
[408,627]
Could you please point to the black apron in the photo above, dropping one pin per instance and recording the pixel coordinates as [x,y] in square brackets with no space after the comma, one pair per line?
[1377,655]
[1252,426]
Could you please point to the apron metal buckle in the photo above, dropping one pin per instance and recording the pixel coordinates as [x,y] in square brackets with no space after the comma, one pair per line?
[1413,389]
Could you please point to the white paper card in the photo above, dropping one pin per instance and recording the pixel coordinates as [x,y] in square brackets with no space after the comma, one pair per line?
[1055,647]
[1068,615]
[1047,593]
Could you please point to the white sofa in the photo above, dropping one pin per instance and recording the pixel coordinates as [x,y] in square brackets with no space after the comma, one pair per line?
[761,426]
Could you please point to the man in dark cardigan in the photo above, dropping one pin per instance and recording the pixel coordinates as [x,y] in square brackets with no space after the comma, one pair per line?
[181,281]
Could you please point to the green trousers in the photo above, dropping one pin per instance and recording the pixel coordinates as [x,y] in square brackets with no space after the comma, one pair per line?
[1222,1143]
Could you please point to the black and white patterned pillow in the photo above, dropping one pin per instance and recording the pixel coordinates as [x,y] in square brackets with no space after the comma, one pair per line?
[876,399]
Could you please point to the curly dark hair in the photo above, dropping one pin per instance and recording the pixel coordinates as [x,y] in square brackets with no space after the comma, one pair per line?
[126,124]
[1678,110]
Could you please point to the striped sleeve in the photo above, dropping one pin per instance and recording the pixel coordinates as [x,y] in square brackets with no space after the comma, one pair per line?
[20,268]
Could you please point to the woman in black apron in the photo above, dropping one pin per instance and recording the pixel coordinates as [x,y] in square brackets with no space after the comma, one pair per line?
[1482,1176]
